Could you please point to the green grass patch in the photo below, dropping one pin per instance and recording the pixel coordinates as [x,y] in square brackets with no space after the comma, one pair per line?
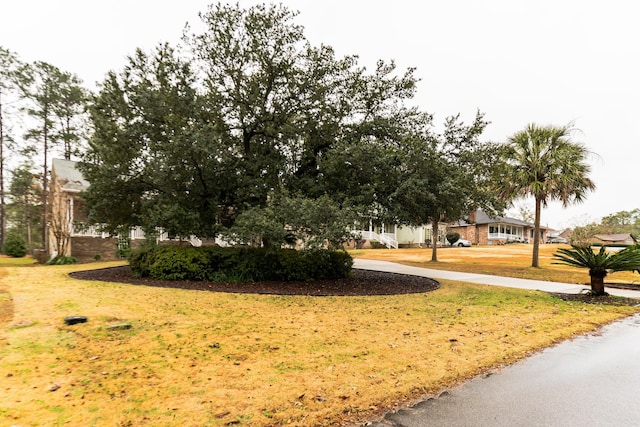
[6,261]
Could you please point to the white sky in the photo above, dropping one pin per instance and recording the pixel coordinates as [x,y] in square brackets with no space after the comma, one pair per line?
[546,62]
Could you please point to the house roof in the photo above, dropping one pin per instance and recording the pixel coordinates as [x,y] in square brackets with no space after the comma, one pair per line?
[483,218]
[67,174]
[614,237]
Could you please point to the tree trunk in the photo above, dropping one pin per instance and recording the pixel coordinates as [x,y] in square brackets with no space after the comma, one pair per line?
[67,142]
[597,284]
[3,221]
[27,217]
[434,241]
[536,234]
[45,207]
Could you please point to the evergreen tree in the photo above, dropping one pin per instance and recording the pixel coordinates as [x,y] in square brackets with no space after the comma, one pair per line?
[71,120]
[9,66]
[53,98]
[24,210]
[446,176]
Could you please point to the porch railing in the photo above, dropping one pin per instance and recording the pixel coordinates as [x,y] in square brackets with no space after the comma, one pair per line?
[385,238]
[507,237]
[81,230]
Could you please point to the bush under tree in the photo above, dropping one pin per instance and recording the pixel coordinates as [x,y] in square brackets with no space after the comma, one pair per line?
[15,245]
[238,264]
[452,237]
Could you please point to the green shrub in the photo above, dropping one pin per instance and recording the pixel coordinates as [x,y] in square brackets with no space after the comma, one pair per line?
[178,263]
[15,246]
[244,264]
[62,260]
[341,264]
[452,237]
[141,259]
[316,264]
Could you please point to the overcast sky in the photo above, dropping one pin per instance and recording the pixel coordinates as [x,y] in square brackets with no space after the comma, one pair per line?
[519,62]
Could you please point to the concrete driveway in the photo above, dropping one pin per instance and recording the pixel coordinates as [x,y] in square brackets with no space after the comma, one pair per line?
[592,380]
[484,279]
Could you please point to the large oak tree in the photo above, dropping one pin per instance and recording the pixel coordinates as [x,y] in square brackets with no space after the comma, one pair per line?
[188,138]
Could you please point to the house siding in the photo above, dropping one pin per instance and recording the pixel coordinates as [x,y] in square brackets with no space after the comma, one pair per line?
[410,236]
[482,234]
[86,248]
[476,234]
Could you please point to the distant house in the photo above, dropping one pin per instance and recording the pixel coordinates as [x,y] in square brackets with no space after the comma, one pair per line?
[69,216]
[479,229]
[614,239]
[482,229]
[555,236]
[567,233]
[399,236]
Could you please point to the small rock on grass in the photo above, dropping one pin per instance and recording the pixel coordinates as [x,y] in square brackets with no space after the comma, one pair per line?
[73,320]
[119,326]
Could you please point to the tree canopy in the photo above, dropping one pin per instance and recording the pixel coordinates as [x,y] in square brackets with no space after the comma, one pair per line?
[188,138]
[25,207]
[249,131]
[621,222]
[41,108]
[9,71]
[446,176]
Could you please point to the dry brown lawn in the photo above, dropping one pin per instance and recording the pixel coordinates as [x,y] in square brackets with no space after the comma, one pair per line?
[198,358]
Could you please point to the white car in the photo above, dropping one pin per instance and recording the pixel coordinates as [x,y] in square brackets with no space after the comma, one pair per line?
[462,242]
[557,239]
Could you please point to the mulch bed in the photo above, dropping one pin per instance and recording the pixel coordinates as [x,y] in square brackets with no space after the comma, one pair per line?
[590,299]
[363,282]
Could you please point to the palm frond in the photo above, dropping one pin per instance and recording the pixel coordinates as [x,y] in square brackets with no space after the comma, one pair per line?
[601,261]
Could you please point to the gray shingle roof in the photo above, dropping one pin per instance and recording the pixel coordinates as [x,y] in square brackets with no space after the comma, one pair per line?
[68,175]
[614,237]
[483,218]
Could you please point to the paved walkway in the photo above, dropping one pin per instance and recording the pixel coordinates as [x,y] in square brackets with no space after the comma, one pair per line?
[485,279]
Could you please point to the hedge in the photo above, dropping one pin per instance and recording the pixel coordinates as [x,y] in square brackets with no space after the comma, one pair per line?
[240,264]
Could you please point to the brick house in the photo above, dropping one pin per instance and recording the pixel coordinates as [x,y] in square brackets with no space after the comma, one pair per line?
[481,229]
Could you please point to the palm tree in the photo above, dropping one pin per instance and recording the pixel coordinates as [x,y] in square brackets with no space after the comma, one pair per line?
[599,263]
[542,162]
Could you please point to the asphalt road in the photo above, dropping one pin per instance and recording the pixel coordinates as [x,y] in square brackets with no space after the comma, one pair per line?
[593,380]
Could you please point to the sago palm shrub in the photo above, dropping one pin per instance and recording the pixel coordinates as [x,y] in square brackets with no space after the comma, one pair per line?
[600,263]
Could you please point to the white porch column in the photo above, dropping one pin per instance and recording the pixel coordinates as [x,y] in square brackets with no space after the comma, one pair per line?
[69,214]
